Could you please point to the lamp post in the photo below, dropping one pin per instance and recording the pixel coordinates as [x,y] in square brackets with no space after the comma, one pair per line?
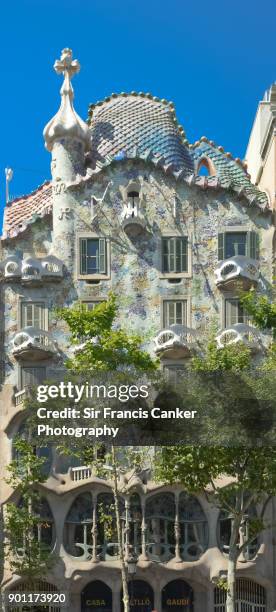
[131,569]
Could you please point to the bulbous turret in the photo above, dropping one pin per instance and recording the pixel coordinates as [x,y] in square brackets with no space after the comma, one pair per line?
[66,123]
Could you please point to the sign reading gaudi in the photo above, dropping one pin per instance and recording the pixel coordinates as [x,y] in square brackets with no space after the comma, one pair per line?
[177,596]
[97,597]
[141,598]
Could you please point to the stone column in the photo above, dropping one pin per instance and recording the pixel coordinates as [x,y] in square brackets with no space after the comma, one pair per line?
[144,555]
[94,530]
[177,532]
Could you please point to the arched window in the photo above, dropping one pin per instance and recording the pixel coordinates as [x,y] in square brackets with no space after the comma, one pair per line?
[193,528]
[141,596]
[107,540]
[160,519]
[224,533]
[177,595]
[23,540]
[78,527]
[251,597]
[206,167]
[96,597]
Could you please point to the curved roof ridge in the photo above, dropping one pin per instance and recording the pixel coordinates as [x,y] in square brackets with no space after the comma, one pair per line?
[167,103]
[139,121]
[220,148]
[232,172]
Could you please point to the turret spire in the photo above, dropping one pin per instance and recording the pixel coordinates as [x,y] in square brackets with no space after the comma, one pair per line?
[66,123]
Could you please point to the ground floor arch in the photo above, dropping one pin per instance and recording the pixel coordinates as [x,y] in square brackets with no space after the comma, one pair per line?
[141,596]
[96,597]
[177,596]
[251,597]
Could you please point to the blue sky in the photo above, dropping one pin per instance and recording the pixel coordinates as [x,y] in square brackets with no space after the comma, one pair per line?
[213,59]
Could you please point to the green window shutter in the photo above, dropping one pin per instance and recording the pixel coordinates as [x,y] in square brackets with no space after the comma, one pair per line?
[231,312]
[83,256]
[221,246]
[172,254]
[102,256]
[165,255]
[252,245]
[184,254]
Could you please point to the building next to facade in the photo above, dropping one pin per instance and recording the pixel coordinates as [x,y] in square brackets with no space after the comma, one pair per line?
[173,229]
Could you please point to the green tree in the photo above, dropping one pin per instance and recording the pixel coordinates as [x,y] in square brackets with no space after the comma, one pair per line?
[261,308]
[234,478]
[101,346]
[27,553]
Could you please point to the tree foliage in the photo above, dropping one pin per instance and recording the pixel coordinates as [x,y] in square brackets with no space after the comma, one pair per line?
[27,553]
[103,345]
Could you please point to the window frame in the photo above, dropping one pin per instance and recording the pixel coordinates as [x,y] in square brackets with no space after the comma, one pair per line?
[226,299]
[174,299]
[166,235]
[25,300]
[95,301]
[251,242]
[21,368]
[97,275]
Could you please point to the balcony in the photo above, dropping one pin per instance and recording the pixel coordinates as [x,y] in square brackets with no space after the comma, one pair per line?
[33,344]
[237,270]
[52,268]
[77,474]
[175,342]
[11,268]
[240,332]
[19,397]
[32,270]
[133,222]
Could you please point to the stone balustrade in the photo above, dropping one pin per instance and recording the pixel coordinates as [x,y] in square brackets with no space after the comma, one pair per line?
[80,473]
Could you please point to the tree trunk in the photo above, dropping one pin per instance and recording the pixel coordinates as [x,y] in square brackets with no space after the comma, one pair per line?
[232,566]
[119,532]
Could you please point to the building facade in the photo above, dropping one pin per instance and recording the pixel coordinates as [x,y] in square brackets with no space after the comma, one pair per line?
[173,229]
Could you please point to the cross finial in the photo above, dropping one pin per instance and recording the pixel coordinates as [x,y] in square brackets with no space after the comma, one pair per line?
[66,123]
[66,65]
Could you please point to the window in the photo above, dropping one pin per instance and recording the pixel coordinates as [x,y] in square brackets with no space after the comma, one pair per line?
[91,305]
[92,256]
[33,314]
[133,199]
[237,243]
[174,312]
[175,255]
[206,167]
[32,376]
[235,313]
[250,597]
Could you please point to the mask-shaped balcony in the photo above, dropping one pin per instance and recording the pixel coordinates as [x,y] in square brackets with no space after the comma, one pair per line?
[133,222]
[52,268]
[11,268]
[237,270]
[175,342]
[33,344]
[32,270]
[240,332]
